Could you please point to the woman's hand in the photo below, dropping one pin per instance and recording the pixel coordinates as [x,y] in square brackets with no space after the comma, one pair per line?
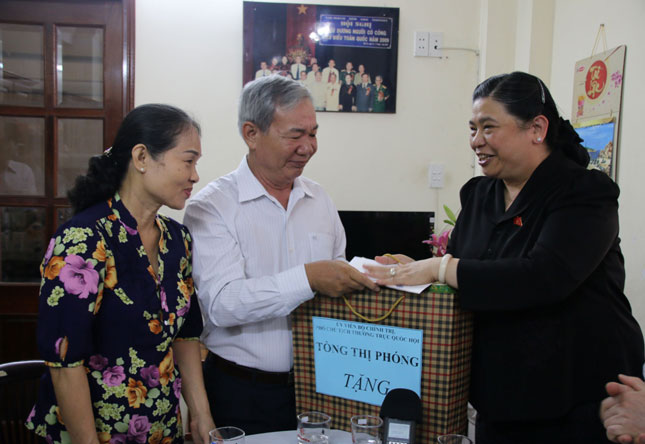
[188,359]
[389,259]
[407,272]
[199,428]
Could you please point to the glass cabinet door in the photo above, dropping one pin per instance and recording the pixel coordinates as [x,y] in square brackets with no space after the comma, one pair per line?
[79,67]
[21,65]
[22,156]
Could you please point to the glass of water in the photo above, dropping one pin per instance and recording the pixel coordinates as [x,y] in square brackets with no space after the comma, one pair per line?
[313,428]
[226,435]
[454,439]
[367,429]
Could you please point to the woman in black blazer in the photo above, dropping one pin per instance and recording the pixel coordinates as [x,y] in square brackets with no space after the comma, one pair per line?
[535,254]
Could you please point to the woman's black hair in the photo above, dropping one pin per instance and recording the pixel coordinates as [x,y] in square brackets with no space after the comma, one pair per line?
[525,97]
[154,125]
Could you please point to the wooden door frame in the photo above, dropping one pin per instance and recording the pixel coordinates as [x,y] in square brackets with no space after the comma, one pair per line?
[21,299]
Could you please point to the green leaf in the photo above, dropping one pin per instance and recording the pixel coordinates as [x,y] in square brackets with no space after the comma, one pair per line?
[153,393]
[120,361]
[65,438]
[149,402]
[449,222]
[121,427]
[51,419]
[450,214]
[58,249]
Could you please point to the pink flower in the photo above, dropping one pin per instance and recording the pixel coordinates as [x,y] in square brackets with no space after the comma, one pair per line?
[183,310]
[176,387]
[50,250]
[131,231]
[119,438]
[150,374]
[79,276]
[439,242]
[31,414]
[164,302]
[61,346]
[98,362]
[138,428]
[113,376]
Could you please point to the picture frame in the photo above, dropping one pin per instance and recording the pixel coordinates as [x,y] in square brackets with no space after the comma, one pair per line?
[320,46]
[598,137]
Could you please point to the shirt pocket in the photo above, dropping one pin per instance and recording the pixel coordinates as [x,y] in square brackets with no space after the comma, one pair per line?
[321,246]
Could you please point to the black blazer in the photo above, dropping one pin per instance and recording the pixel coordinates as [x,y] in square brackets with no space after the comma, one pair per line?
[545,280]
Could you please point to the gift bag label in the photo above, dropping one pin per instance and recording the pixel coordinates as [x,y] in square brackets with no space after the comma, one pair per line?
[362,362]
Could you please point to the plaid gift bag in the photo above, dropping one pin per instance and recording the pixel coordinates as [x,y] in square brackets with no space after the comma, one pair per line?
[447,342]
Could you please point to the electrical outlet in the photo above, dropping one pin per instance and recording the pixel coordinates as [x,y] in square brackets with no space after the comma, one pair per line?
[421,44]
[435,43]
[435,175]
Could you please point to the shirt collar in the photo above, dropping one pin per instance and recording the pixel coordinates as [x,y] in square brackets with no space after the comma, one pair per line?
[548,175]
[126,219]
[121,213]
[249,187]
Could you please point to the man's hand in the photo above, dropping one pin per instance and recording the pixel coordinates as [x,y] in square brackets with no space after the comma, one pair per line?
[623,413]
[335,278]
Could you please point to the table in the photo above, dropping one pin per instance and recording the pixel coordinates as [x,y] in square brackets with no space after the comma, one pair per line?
[289,437]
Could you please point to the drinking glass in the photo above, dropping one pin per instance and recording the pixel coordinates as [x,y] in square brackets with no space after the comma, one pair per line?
[366,429]
[454,439]
[226,435]
[313,428]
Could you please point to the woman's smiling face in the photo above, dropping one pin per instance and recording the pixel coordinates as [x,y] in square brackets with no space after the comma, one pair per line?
[499,140]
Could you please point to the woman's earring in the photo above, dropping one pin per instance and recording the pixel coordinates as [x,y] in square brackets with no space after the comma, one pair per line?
[143,170]
[539,139]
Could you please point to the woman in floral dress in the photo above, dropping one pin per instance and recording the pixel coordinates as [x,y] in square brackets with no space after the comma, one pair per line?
[118,318]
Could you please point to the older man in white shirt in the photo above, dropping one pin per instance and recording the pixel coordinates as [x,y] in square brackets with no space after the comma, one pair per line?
[265,241]
[263,71]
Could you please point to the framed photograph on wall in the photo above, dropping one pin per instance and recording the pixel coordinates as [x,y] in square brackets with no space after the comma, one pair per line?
[345,55]
[598,138]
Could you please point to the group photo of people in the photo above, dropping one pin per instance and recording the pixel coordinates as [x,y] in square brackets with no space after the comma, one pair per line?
[347,90]
[349,79]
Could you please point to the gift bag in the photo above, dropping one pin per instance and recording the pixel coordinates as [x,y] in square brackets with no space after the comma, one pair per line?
[445,371]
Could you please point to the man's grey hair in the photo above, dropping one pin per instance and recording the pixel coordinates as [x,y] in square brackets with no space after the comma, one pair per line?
[261,97]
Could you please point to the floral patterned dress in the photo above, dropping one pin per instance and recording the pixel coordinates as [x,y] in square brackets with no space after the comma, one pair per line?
[101,306]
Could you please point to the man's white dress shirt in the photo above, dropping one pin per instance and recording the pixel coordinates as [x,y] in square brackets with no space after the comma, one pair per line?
[327,71]
[17,178]
[296,69]
[248,263]
[262,73]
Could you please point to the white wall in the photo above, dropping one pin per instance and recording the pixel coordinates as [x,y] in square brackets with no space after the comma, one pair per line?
[575,27]
[189,53]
